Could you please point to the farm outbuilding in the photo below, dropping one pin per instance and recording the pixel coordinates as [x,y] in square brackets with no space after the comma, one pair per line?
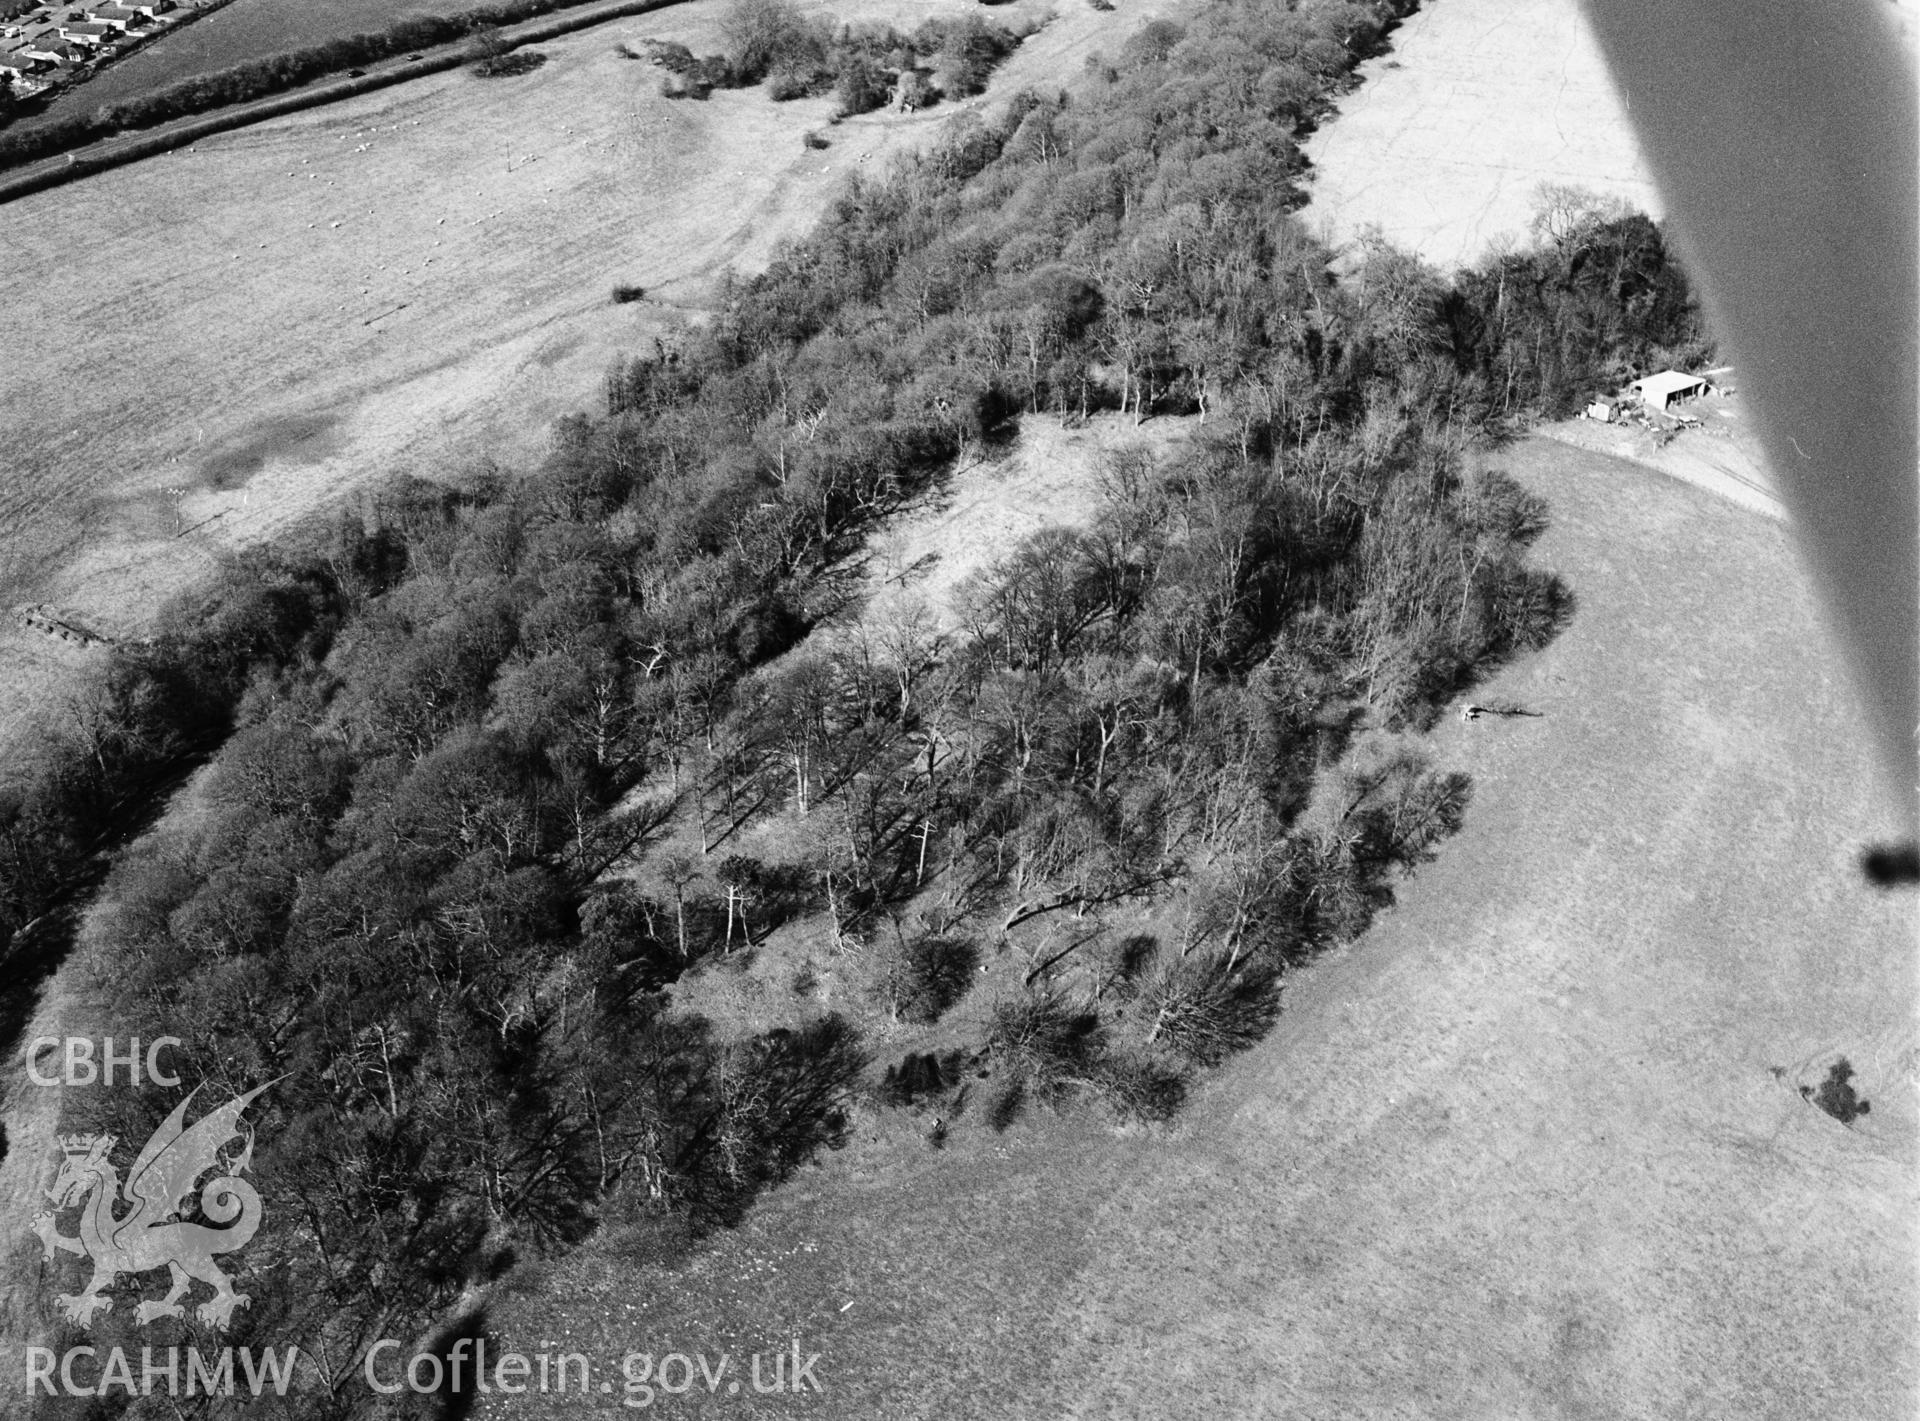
[1658,392]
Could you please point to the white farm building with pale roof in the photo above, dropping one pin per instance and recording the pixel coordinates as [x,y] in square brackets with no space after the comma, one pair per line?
[1657,392]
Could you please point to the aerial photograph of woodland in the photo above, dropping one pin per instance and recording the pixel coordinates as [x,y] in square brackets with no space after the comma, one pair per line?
[959,708]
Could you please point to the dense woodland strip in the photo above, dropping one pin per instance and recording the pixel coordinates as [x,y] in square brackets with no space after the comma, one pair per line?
[491,755]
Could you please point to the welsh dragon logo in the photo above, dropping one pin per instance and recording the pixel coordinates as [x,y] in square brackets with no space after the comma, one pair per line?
[150,1235]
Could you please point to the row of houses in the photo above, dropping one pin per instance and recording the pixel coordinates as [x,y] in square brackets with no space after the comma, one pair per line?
[57,49]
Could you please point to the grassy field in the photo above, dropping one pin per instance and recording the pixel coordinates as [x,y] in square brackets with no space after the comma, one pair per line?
[982,513]
[235,34]
[406,282]
[1522,1151]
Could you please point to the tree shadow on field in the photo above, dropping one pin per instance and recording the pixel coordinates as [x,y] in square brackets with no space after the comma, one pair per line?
[1836,1094]
[305,436]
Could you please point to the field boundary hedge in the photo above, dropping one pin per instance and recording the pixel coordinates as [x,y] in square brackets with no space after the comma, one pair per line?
[117,151]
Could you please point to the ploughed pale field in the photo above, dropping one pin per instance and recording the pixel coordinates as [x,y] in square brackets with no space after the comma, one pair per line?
[1444,145]
[1446,142]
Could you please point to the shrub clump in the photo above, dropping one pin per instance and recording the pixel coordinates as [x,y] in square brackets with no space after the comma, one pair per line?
[788,85]
[1042,1049]
[771,40]
[685,86]
[1206,1007]
[511,64]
